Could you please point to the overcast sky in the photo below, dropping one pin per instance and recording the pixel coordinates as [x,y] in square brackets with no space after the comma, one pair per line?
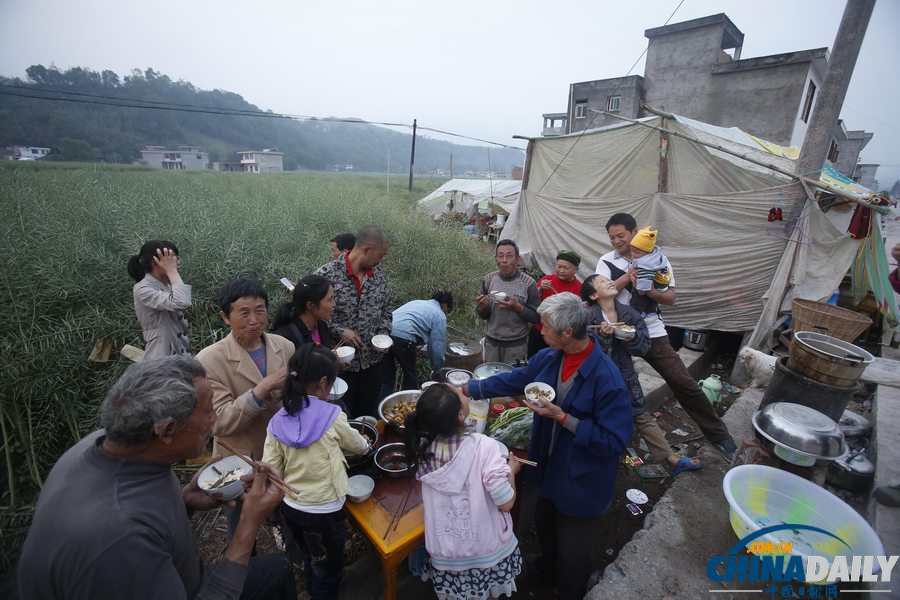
[483,68]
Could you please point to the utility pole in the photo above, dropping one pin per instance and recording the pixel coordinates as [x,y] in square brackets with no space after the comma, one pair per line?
[412,154]
[827,110]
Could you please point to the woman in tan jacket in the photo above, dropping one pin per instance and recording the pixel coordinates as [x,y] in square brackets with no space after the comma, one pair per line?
[246,370]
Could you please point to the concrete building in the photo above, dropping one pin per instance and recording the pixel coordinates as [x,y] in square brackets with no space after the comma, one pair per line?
[694,69]
[269,160]
[25,153]
[186,157]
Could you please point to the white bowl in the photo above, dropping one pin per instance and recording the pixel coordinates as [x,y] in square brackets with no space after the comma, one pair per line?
[230,490]
[623,332]
[761,496]
[382,342]
[361,487]
[345,354]
[338,389]
[427,384]
[499,296]
[542,387]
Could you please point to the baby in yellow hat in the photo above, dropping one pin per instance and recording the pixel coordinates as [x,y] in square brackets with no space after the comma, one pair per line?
[652,266]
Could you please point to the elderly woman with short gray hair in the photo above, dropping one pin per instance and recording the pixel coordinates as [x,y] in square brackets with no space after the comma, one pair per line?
[576,439]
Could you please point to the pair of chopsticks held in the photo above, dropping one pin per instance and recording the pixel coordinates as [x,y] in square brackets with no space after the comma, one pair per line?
[618,324]
[276,481]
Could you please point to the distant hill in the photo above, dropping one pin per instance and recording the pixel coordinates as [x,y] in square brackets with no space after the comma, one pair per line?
[92,124]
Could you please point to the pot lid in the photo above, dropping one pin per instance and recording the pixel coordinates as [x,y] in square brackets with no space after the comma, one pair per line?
[485,370]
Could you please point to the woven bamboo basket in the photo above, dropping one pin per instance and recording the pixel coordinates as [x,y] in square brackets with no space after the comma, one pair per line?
[842,323]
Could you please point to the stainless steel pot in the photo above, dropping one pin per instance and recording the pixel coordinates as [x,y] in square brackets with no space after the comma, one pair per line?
[853,472]
[827,359]
[802,431]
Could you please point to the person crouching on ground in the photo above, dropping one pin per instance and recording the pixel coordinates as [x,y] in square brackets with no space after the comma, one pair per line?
[305,440]
[599,293]
[468,489]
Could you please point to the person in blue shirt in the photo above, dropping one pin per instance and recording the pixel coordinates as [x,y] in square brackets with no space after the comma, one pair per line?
[415,323]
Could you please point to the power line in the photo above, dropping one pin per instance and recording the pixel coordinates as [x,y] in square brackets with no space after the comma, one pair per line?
[615,89]
[98,99]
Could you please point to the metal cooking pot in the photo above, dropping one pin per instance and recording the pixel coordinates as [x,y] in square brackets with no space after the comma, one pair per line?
[803,432]
[483,371]
[853,472]
[827,359]
[853,425]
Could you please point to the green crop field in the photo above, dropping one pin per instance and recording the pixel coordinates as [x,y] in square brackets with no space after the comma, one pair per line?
[68,230]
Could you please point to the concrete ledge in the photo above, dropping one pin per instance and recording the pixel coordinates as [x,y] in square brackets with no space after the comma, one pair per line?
[886,446]
[667,559]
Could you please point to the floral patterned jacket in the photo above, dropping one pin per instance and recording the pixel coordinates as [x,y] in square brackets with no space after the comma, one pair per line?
[367,313]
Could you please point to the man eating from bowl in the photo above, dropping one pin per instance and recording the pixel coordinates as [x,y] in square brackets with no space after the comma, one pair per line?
[112,520]
[508,302]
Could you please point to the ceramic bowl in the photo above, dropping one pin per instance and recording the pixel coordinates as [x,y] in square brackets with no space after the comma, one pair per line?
[338,389]
[382,342]
[361,487]
[623,332]
[499,296]
[539,393]
[345,354]
[213,473]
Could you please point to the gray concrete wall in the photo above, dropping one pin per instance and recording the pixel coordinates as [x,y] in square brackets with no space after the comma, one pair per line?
[687,73]
[270,163]
[763,102]
[595,93]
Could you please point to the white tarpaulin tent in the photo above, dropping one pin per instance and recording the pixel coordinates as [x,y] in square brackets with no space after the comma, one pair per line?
[712,216]
[463,195]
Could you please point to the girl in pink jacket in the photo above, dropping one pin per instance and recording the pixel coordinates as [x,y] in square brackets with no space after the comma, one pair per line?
[468,489]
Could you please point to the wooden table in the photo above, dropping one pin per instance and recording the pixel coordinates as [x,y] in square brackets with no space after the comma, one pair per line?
[373,519]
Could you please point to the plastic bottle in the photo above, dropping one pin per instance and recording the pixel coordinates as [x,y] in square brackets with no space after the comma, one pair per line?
[478,411]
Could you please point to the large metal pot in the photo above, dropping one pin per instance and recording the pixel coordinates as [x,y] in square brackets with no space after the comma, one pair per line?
[369,431]
[853,472]
[387,405]
[827,359]
[801,435]
[485,370]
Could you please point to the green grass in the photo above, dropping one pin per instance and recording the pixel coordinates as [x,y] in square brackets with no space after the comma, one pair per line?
[67,233]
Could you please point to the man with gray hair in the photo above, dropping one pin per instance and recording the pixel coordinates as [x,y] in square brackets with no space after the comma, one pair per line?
[362,311]
[112,520]
[576,439]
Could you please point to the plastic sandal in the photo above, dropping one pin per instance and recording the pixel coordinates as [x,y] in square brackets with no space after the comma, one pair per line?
[686,463]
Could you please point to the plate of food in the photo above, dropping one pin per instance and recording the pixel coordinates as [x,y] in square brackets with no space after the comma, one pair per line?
[539,394]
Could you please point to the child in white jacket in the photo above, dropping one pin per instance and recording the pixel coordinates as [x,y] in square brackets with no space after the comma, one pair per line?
[468,489]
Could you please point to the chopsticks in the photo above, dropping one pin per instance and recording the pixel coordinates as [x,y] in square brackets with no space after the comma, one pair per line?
[530,463]
[398,514]
[277,482]
[619,324]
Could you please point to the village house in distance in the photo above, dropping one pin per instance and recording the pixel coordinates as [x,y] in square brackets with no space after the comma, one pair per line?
[186,157]
[269,160]
[694,69]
